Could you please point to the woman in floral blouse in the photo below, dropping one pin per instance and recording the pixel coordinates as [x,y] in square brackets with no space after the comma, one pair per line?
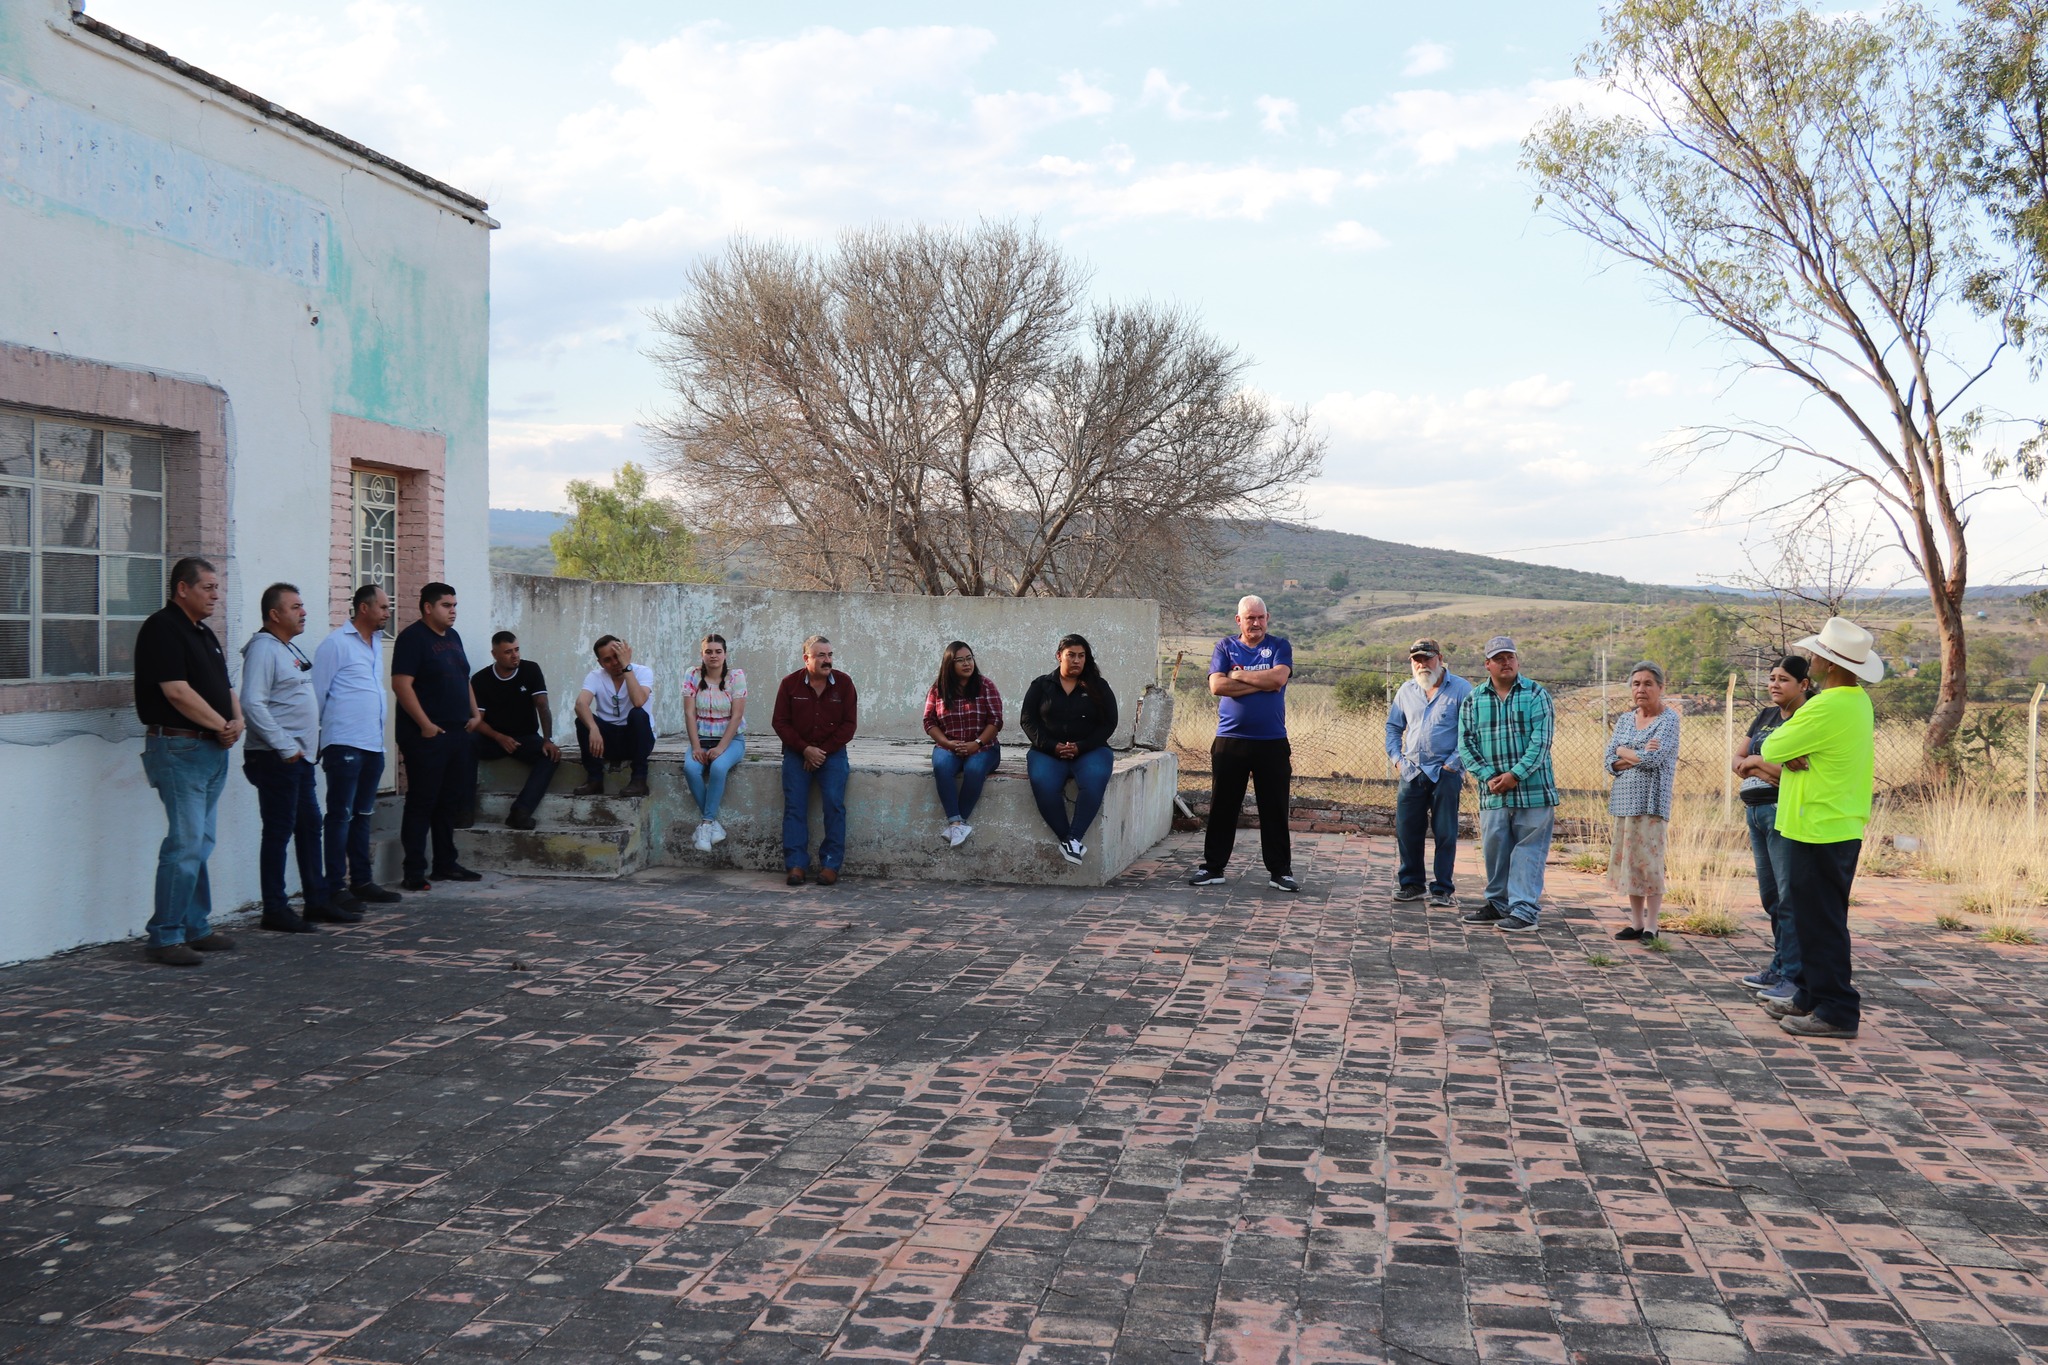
[962,714]
[714,716]
[1642,753]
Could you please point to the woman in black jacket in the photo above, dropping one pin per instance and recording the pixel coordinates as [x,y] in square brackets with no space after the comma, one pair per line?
[1069,715]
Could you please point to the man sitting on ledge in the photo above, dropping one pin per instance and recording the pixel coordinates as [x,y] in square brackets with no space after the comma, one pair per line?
[816,713]
[615,717]
[513,696]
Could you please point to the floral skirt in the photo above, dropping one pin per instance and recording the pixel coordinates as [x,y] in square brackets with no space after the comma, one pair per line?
[1636,867]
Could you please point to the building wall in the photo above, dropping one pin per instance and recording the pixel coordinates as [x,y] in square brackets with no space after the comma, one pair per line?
[154,226]
[888,644]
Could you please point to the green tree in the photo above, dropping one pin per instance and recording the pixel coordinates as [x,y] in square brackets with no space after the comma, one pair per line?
[1799,181]
[625,534]
[1697,647]
[1361,692]
[1338,581]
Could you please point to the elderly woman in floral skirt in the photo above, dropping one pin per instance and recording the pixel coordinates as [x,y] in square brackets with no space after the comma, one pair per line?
[1642,753]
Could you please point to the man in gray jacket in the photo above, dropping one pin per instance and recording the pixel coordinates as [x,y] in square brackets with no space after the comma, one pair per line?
[281,760]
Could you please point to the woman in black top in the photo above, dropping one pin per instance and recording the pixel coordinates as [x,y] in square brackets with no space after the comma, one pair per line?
[1069,715]
[1788,689]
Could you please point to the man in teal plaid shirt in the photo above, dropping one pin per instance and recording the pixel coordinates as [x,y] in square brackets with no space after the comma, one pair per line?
[1504,733]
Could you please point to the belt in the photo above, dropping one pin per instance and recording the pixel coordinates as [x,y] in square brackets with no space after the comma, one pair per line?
[173,732]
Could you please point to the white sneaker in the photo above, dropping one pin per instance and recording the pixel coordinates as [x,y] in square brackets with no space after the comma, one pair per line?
[717,831]
[957,832]
[703,839]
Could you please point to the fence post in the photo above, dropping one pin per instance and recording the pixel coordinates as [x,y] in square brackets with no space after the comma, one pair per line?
[2034,756]
[1728,751]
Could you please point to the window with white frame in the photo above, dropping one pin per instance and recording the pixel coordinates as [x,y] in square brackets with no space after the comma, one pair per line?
[81,545]
[376,530]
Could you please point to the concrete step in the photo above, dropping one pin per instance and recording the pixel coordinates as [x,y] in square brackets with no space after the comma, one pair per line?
[559,809]
[561,851]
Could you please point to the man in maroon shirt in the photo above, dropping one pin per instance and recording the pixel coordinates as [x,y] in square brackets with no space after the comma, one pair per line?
[816,711]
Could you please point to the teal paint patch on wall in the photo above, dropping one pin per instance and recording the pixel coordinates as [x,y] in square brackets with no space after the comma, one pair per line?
[419,346]
[64,157]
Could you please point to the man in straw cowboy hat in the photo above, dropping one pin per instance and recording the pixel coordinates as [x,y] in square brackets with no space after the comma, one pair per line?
[1828,749]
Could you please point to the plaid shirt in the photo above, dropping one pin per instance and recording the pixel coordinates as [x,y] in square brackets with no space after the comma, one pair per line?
[1509,735]
[965,717]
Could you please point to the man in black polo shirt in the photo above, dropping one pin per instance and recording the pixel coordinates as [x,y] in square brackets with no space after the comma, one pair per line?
[436,713]
[191,718]
[513,697]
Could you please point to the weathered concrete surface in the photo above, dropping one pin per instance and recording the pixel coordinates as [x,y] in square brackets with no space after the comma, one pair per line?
[692,1118]
[888,643]
[894,822]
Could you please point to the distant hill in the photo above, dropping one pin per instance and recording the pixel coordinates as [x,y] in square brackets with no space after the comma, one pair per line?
[1267,558]
[1262,561]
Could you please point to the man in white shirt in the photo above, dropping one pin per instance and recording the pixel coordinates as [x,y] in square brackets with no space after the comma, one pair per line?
[348,683]
[615,717]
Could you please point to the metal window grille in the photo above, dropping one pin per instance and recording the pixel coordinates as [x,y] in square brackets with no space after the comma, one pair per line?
[376,530]
[81,546]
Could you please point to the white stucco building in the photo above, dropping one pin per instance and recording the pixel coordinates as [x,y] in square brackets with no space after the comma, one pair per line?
[224,330]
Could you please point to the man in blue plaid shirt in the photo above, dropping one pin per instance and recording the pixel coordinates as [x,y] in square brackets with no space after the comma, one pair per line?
[1504,733]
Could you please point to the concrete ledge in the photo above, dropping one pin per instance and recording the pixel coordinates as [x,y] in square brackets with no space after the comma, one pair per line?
[894,823]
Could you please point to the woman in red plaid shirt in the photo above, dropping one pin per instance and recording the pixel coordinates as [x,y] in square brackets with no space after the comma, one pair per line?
[962,714]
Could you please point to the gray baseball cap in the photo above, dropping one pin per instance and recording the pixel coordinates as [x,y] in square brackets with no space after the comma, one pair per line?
[1501,644]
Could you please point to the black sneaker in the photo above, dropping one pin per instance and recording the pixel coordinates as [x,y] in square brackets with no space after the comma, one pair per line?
[519,819]
[1283,882]
[334,914]
[372,894]
[1515,924]
[284,920]
[417,884]
[1409,893]
[1202,876]
[1485,914]
[1443,900]
[455,872]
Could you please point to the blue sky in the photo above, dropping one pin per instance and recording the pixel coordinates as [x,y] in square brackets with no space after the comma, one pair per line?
[1332,186]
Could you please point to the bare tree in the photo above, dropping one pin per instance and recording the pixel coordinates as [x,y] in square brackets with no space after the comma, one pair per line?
[1791,178]
[936,411]
[1806,571]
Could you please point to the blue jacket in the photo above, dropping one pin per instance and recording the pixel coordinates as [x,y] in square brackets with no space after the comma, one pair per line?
[1422,735]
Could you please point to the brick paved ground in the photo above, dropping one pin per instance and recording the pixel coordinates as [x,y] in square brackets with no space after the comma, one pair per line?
[699,1119]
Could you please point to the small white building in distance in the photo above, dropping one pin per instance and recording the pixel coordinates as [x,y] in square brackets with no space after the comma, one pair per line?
[224,330]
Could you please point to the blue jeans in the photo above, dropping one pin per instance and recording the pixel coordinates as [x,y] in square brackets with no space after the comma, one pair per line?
[707,781]
[287,794]
[189,776]
[1426,804]
[1049,777]
[1769,849]
[1515,841]
[352,777]
[960,779]
[797,781]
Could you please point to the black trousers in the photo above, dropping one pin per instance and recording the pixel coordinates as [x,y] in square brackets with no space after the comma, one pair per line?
[1268,765]
[440,795]
[542,768]
[1817,882]
[628,743]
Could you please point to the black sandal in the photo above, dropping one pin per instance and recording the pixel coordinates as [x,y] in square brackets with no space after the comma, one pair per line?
[1628,935]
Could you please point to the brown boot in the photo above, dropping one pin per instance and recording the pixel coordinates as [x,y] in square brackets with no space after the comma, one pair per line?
[637,787]
[795,877]
[590,789]
[828,876]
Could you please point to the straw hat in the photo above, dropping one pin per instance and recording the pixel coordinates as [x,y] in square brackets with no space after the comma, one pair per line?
[1842,641]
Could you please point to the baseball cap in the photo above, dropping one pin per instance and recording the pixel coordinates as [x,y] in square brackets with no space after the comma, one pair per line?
[1501,644]
[1424,647]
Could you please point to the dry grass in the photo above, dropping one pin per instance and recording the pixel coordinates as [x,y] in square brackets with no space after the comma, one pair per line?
[1589,861]
[1952,923]
[1599,959]
[1706,923]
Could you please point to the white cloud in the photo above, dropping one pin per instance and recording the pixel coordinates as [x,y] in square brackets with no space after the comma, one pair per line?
[1435,126]
[1277,115]
[1196,191]
[531,462]
[1173,98]
[1426,59]
[1353,235]
[1652,384]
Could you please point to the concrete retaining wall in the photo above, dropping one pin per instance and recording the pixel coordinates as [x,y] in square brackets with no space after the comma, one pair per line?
[888,643]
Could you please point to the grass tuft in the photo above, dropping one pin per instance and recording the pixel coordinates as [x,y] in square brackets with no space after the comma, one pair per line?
[1659,944]
[1596,958]
[1708,923]
[1589,861]
[1952,923]
[2010,932]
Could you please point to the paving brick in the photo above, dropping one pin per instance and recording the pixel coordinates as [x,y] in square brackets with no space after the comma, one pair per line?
[715,1120]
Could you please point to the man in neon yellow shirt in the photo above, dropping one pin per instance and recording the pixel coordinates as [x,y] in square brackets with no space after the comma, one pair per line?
[1828,750]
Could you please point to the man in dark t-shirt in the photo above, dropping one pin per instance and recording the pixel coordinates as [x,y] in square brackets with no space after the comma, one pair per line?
[513,698]
[191,718]
[436,714]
